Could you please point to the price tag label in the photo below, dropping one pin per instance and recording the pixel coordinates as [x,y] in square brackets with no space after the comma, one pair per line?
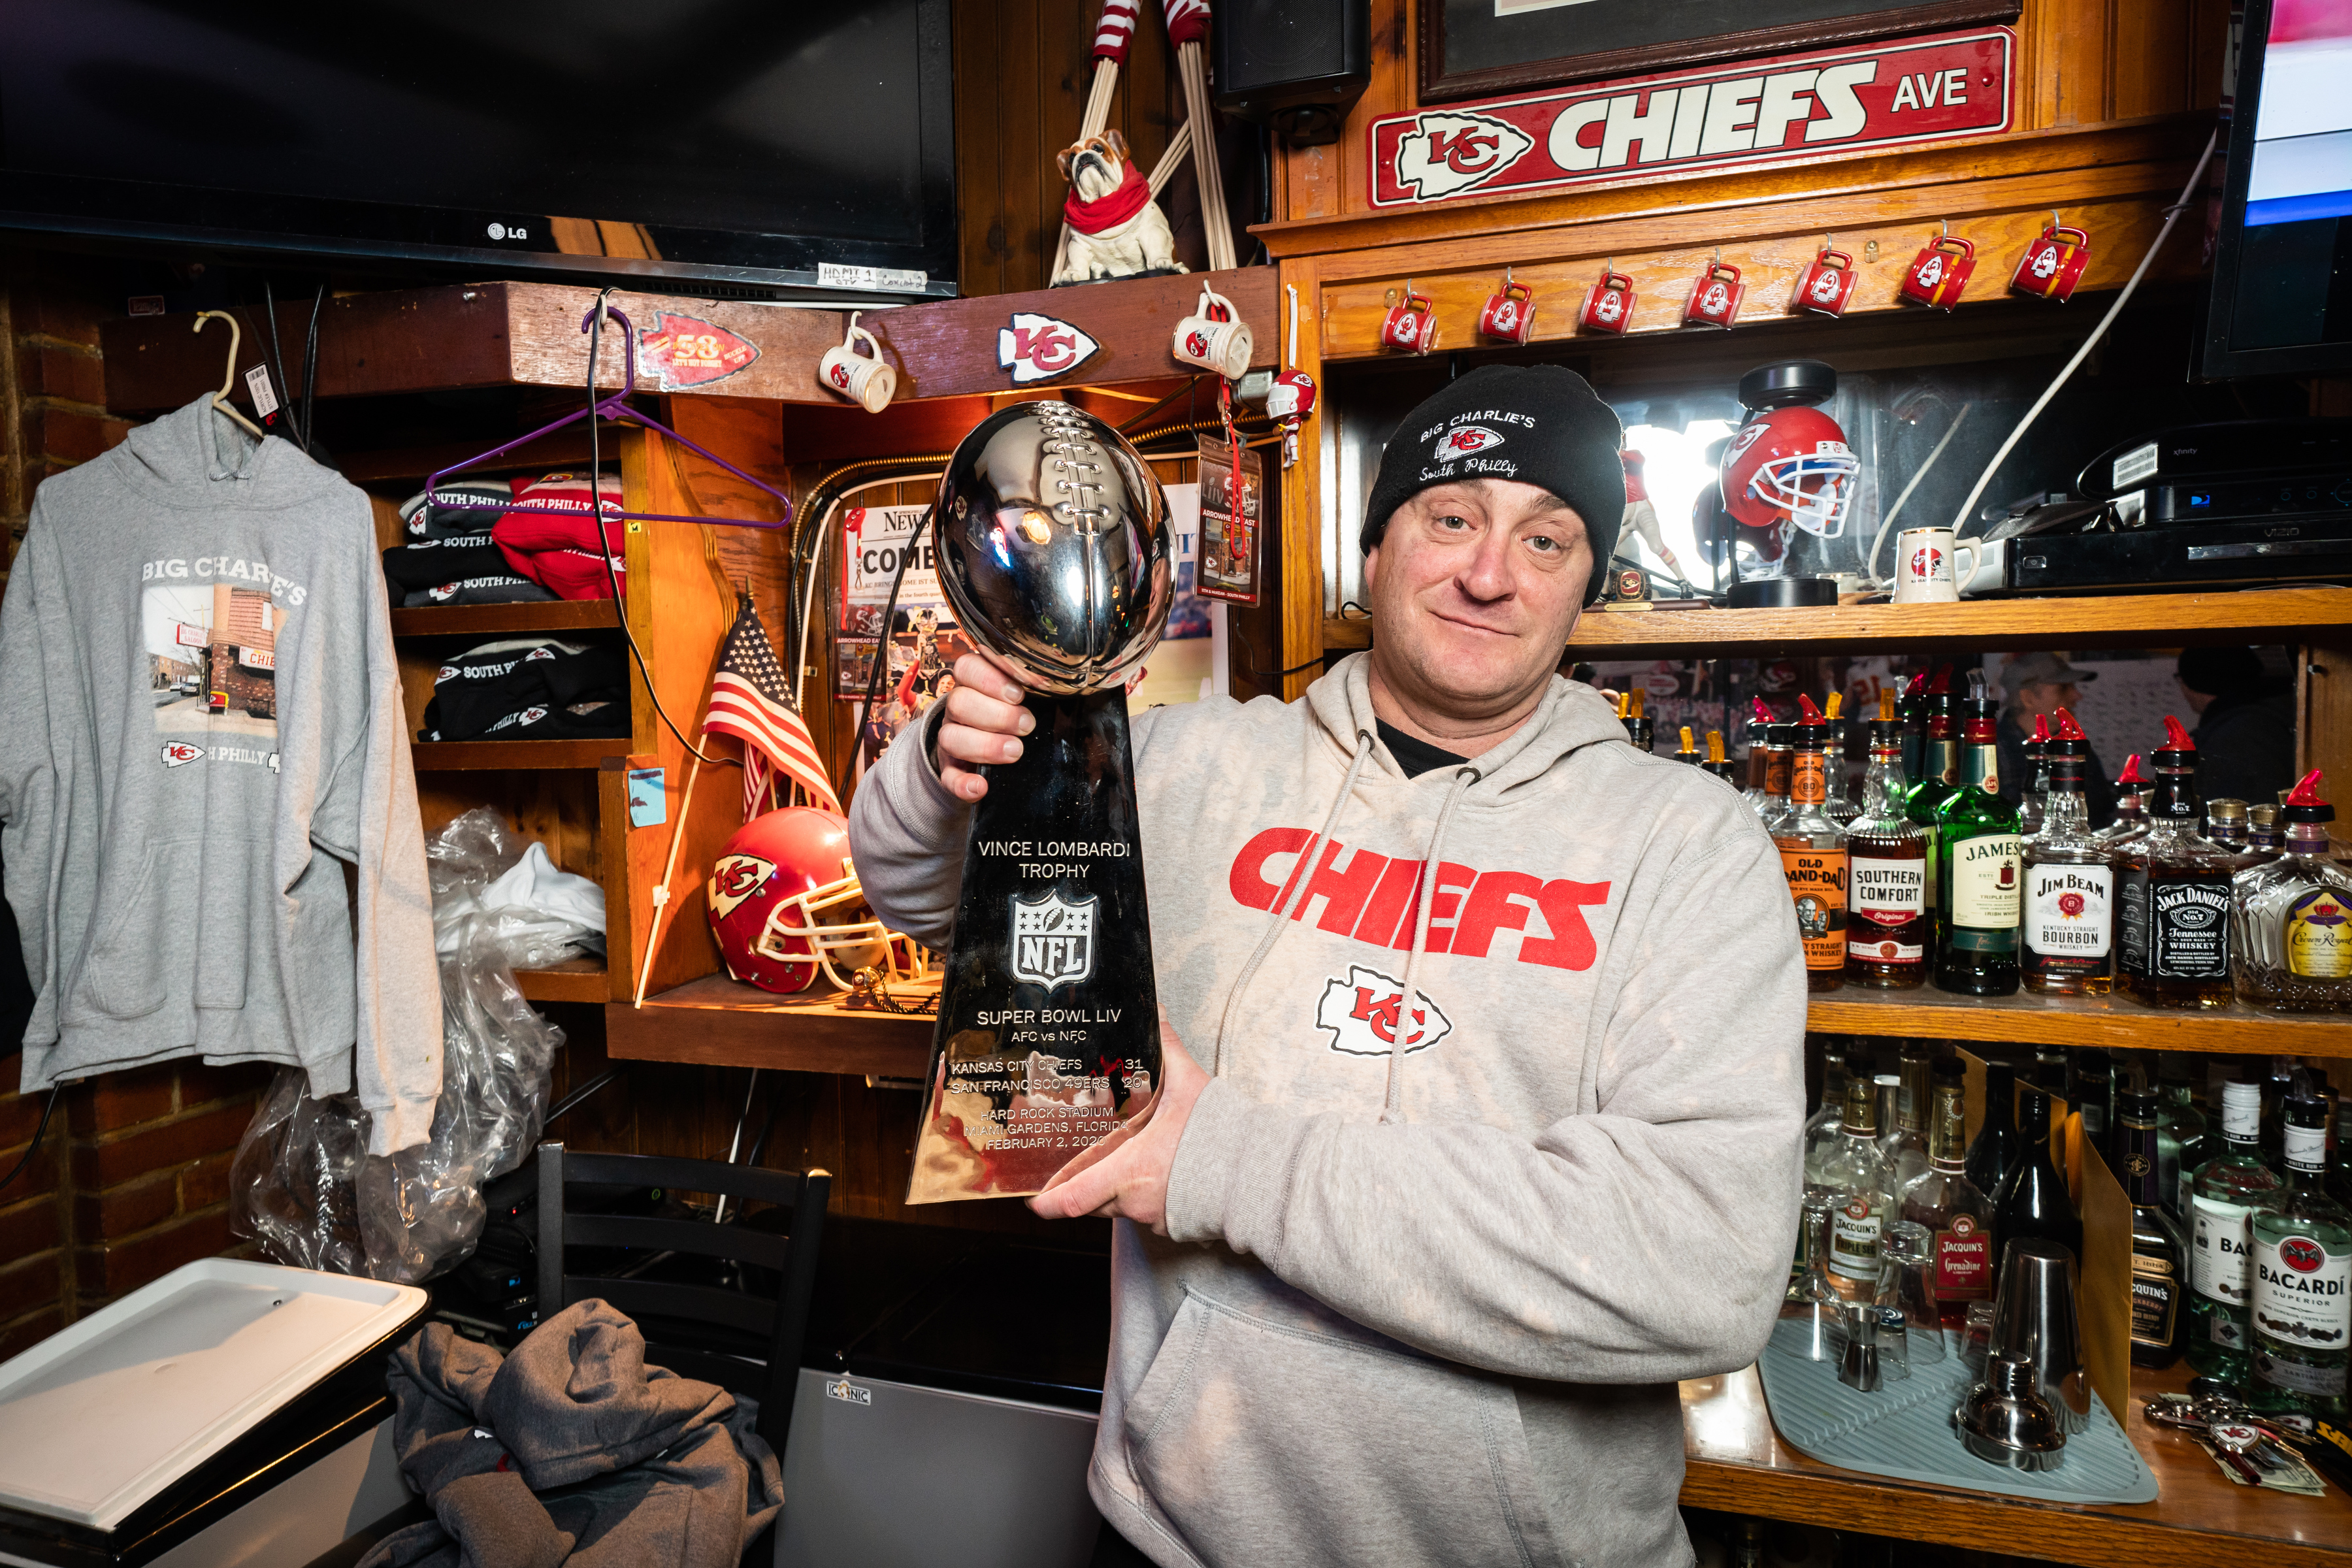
[264,396]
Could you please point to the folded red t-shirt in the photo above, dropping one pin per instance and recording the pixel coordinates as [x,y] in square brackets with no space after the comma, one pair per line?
[571,529]
[571,573]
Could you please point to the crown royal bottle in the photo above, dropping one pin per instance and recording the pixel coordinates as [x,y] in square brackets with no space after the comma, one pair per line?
[2291,933]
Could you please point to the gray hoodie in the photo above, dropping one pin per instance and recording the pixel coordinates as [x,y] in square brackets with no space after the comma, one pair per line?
[1430,1306]
[197,697]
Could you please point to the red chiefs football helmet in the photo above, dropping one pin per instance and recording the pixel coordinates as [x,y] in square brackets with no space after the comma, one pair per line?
[1790,465]
[785,906]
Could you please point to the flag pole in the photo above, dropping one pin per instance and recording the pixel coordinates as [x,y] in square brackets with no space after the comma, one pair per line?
[661,891]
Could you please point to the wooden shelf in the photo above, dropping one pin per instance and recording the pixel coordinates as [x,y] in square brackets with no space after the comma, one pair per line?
[1738,1463]
[718,1022]
[2111,1023]
[2121,620]
[573,980]
[484,620]
[443,756]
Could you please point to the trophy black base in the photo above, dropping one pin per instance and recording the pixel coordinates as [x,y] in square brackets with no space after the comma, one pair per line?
[1048,1034]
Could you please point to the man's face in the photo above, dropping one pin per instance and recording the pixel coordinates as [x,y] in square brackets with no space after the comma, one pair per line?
[1474,588]
[2046,698]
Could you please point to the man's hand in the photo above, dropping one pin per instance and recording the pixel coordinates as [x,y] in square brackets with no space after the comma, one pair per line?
[984,723]
[1125,1176]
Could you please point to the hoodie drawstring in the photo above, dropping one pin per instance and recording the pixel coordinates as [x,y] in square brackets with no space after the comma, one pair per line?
[1282,907]
[1393,1111]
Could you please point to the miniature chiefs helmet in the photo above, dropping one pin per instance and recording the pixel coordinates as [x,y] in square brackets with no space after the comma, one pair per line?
[1790,465]
[785,906]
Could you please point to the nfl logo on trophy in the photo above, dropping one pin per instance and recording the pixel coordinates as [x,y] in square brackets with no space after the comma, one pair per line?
[1053,941]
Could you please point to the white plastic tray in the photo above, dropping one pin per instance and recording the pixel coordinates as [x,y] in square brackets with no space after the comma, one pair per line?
[98,1418]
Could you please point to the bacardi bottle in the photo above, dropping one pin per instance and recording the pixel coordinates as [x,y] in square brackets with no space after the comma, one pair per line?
[2302,1309]
[2069,929]
[2159,1265]
[2227,1190]
[1887,861]
[1814,858]
[1958,1215]
[2291,936]
[2036,781]
[1978,868]
[2172,919]
[1861,1191]
[2132,790]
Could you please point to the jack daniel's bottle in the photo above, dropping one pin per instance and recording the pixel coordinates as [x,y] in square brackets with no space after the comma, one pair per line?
[2173,912]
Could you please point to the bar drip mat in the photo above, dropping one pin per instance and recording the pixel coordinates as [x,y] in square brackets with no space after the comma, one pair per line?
[1904,1431]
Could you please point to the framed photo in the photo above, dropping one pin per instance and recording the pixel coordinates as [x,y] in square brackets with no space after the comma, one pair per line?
[1472,49]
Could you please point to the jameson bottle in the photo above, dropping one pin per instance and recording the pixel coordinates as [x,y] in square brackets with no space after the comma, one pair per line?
[1978,869]
[2068,934]
[2228,1189]
[2159,1263]
[2172,916]
[1860,1188]
[1958,1215]
[1886,879]
[2302,1309]
[1942,778]
[1812,857]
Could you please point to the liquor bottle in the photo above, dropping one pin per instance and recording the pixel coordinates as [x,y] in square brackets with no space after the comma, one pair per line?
[2227,1189]
[2172,917]
[1856,1178]
[1999,1147]
[1812,857]
[1822,1128]
[2290,937]
[1958,1215]
[1645,731]
[2051,1070]
[1906,1147]
[2181,1136]
[2132,790]
[2280,1082]
[1779,757]
[2226,825]
[1914,1064]
[2340,1154]
[1912,713]
[1720,765]
[1888,1086]
[2032,1199]
[2069,929]
[2092,1094]
[1979,895]
[1887,861]
[2159,1263]
[1688,753]
[2037,777]
[1760,763]
[2302,1308]
[1840,805]
[1625,715]
[2265,834]
[1938,782]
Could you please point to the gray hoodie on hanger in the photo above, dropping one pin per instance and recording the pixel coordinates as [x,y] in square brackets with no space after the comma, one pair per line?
[1429,1306]
[200,728]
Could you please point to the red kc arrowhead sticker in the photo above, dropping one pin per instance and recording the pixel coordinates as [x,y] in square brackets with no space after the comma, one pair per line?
[1035,348]
[679,351]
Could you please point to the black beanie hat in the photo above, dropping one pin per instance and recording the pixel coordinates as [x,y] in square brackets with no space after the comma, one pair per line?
[1540,425]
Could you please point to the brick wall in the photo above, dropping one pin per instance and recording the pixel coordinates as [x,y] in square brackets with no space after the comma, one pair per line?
[52,379]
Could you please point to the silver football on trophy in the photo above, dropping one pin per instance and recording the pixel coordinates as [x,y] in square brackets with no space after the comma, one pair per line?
[1053,547]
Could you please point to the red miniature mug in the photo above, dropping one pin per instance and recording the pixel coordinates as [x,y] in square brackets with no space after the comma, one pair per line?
[2054,264]
[1411,325]
[1608,308]
[1826,285]
[1939,273]
[1715,298]
[1510,316]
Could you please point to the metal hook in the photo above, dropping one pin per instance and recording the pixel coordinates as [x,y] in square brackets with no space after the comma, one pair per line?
[1718,256]
[1507,277]
[1829,241]
[1947,229]
[2055,224]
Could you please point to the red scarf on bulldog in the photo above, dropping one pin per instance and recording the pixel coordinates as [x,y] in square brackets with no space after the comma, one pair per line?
[1093,218]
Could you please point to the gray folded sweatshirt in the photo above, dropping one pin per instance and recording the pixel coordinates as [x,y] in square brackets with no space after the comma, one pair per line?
[200,728]
[1432,1270]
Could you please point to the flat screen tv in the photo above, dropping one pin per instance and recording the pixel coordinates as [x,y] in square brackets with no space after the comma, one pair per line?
[2282,272]
[731,147]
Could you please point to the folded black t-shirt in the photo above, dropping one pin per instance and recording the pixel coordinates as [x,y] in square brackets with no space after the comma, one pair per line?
[432,563]
[499,588]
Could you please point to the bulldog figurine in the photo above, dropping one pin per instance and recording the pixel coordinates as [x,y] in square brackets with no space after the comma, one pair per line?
[1116,228]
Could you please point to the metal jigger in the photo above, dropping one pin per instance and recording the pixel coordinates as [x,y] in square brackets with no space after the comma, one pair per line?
[2035,1320]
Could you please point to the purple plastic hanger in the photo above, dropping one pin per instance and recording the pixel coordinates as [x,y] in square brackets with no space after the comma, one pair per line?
[614,407]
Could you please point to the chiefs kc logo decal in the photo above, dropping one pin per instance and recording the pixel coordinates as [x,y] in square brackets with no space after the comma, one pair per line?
[1037,347]
[735,879]
[1363,1015]
[1464,441]
[1449,152]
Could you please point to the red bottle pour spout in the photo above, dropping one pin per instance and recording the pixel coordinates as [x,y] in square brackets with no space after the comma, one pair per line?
[1806,712]
[1917,688]
[2131,775]
[1942,684]
[2041,729]
[1763,714]
[2070,730]
[2308,792]
[2176,739]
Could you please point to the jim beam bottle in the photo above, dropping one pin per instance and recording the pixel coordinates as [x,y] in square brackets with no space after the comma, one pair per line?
[1886,872]
[2302,1308]
[2068,935]
[2290,931]
[1813,857]
[1959,1217]
[2159,1263]
[1856,1178]
[1979,868]
[2173,903]
[2227,1190]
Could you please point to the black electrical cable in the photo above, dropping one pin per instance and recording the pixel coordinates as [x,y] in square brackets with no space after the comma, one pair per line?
[35,1146]
[278,363]
[311,370]
[882,646]
[605,539]
[572,1100]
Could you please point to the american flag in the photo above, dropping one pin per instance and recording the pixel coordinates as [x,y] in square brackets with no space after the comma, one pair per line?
[751,699]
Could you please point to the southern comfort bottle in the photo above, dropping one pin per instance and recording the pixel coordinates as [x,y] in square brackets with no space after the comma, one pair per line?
[1813,855]
[2173,908]
[1887,871]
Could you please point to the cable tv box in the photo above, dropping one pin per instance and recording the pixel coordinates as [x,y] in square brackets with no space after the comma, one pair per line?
[2274,550]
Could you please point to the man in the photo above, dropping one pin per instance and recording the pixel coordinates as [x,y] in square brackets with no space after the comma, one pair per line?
[2040,684]
[2245,725]
[1440,1198]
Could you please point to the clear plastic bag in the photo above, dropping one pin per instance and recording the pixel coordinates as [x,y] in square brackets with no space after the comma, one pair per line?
[304,1185]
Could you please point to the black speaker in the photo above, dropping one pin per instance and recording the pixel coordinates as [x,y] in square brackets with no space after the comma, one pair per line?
[1295,65]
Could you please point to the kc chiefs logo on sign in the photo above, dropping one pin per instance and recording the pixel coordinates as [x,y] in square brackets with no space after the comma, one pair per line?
[1446,152]
[1464,441]
[1364,1015]
[1037,347]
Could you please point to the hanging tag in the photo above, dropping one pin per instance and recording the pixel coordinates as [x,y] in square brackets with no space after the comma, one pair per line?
[1227,565]
[264,396]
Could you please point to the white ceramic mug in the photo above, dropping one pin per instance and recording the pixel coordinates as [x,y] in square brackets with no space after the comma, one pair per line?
[1925,567]
[870,382]
[1215,338]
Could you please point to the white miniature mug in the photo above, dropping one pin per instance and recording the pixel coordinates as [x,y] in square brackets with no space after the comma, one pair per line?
[870,382]
[1215,338]
[1926,566]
